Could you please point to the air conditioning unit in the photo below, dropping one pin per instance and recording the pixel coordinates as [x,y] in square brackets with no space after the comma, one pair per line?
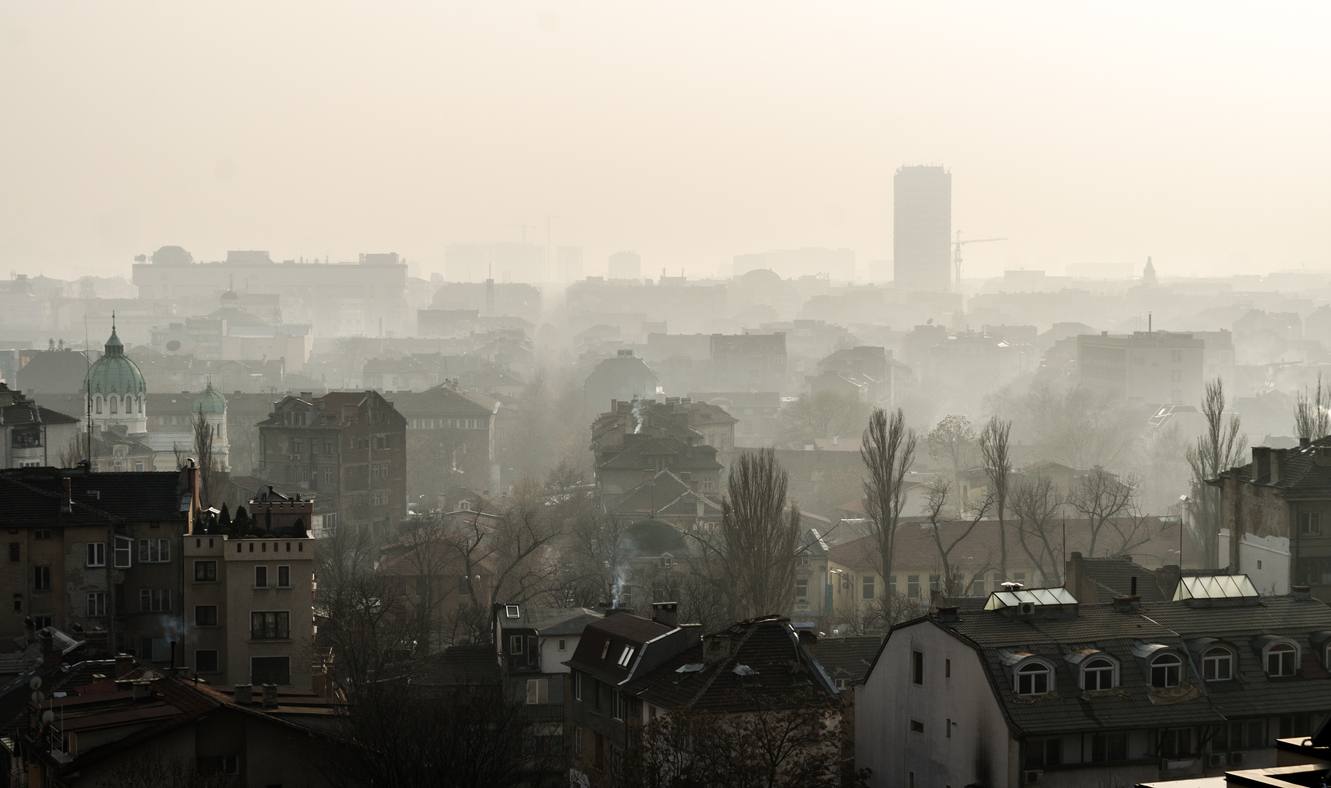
[1216,759]
[1031,776]
[1026,608]
[1236,758]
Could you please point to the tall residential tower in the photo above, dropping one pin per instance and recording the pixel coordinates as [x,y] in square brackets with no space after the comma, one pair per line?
[922,229]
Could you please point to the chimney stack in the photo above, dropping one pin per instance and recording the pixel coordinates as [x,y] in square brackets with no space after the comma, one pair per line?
[1302,593]
[67,505]
[666,613]
[270,696]
[51,655]
[244,694]
[124,664]
[142,690]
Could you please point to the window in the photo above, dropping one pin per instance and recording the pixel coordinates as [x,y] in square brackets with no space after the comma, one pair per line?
[1033,679]
[913,586]
[14,551]
[205,661]
[1218,665]
[284,577]
[563,644]
[154,600]
[96,553]
[274,625]
[1109,747]
[1043,752]
[42,534]
[18,603]
[620,707]
[1166,671]
[154,551]
[868,588]
[42,622]
[1310,524]
[916,726]
[270,670]
[205,615]
[577,685]
[260,577]
[537,691]
[917,667]
[948,728]
[947,668]
[205,571]
[1295,725]
[41,578]
[138,465]
[1175,742]
[1280,660]
[892,586]
[1097,674]
[515,644]
[96,604]
[934,584]
[667,562]
[626,656]
[577,740]
[122,552]
[802,590]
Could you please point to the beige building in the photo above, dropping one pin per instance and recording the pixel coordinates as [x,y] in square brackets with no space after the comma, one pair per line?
[249,601]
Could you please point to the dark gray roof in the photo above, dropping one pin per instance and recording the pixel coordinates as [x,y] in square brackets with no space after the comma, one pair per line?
[848,658]
[551,621]
[1175,625]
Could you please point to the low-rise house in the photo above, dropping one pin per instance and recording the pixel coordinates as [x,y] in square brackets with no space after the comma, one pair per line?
[1040,689]
[31,435]
[669,496]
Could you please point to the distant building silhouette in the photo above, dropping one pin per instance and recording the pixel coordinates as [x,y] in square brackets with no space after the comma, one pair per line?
[922,229]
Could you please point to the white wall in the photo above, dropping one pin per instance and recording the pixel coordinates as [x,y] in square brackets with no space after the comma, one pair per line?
[552,659]
[1266,562]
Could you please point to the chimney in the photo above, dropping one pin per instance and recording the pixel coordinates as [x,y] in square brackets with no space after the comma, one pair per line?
[50,654]
[1305,443]
[1261,462]
[715,647]
[666,613]
[244,694]
[124,664]
[1302,593]
[29,630]
[947,614]
[143,690]
[319,683]
[1133,592]
[1126,604]
[1276,455]
[270,696]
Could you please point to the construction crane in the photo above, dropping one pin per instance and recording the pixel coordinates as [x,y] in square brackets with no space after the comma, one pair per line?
[956,252]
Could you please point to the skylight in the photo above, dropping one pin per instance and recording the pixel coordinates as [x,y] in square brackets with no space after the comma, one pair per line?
[1032,596]
[1218,587]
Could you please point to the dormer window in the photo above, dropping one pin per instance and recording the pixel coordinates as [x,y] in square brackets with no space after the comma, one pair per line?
[1166,671]
[1033,679]
[1218,665]
[511,611]
[1097,674]
[1281,659]
[626,656]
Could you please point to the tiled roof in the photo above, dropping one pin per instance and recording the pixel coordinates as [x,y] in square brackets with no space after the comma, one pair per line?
[684,458]
[847,658]
[764,658]
[602,645]
[34,496]
[1300,471]
[460,666]
[1113,577]
[666,493]
[551,621]
[1134,704]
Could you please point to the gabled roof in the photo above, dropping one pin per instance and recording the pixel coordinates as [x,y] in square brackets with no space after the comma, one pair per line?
[1304,471]
[764,658]
[604,644]
[550,621]
[847,658]
[665,494]
[34,497]
[460,666]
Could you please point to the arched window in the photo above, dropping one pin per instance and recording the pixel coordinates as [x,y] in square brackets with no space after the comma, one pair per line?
[1033,679]
[141,398]
[1098,674]
[115,404]
[1166,671]
[1280,660]
[1218,665]
[97,403]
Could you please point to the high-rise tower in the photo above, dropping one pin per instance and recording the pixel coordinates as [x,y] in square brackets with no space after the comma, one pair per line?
[922,229]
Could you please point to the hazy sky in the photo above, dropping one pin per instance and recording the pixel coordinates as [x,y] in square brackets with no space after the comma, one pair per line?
[1196,133]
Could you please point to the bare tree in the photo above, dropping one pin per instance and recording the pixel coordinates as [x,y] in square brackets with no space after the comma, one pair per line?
[954,441]
[823,414]
[1100,496]
[75,452]
[888,451]
[1312,415]
[757,545]
[162,772]
[1216,451]
[209,470]
[938,514]
[998,466]
[1036,502]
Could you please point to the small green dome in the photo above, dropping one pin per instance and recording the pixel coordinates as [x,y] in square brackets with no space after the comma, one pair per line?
[652,538]
[210,401]
[115,373]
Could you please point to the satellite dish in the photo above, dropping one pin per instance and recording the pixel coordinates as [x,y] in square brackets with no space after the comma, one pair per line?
[38,697]
[48,716]
[36,682]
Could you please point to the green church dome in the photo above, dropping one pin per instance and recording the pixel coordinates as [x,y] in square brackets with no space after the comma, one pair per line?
[210,401]
[115,373]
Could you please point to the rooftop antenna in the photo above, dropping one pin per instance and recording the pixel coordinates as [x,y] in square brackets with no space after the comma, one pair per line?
[87,384]
[1149,323]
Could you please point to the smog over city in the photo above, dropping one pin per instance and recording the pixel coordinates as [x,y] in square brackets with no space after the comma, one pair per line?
[626,395]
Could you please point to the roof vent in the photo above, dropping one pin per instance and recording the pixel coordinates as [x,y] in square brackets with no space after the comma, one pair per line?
[1302,593]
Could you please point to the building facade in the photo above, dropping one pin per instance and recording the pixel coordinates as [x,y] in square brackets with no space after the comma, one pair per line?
[1144,367]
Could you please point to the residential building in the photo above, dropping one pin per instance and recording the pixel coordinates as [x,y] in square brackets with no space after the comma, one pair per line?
[56,370]
[650,556]
[1272,517]
[671,497]
[533,646]
[814,590]
[757,414]
[624,377]
[749,362]
[450,439]
[600,711]
[1144,367]
[171,426]
[1038,688]
[99,553]
[922,229]
[865,372]
[249,599]
[347,447]
[435,581]
[31,435]
[125,723]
